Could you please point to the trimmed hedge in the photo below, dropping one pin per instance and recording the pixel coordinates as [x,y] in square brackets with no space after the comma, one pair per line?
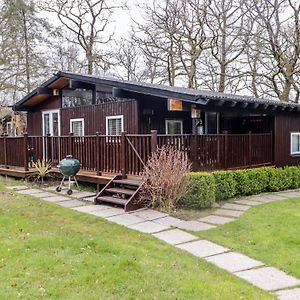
[202,192]
[206,188]
[226,185]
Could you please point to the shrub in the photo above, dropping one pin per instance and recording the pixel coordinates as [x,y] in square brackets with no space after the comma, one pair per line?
[225,185]
[251,181]
[43,169]
[202,192]
[282,178]
[296,177]
[166,177]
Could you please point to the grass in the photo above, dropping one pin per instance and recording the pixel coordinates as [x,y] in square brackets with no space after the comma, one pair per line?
[49,252]
[269,233]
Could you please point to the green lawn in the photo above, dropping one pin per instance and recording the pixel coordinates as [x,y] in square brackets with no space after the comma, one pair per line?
[48,252]
[270,233]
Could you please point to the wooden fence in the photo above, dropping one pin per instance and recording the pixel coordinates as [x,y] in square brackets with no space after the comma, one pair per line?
[127,154]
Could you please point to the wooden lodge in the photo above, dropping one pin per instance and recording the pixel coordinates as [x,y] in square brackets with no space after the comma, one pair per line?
[112,126]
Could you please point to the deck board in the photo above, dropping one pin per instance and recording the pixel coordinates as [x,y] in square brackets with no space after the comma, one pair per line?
[83,175]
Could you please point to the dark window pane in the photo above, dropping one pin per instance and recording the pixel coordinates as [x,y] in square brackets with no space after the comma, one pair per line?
[78,97]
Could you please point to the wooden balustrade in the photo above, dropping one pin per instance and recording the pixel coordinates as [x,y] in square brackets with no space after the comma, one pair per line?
[128,153]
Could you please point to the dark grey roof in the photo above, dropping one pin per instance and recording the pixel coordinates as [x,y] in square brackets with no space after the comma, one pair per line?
[186,94]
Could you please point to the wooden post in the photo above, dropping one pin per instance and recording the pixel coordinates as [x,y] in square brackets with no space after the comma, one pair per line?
[272,148]
[5,151]
[70,142]
[97,154]
[249,149]
[225,149]
[153,140]
[123,154]
[194,152]
[26,168]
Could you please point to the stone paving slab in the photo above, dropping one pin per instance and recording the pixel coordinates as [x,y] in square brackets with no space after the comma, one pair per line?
[17,187]
[289,194]
[44,195]
[194,226]
[248,202]
[175,236]
[91,208]
[29,191]
[105,213]
[171,221]
[234,262]
[55,199]
[125,219]
[202,248]
[149,227]
[89,199]
[216,220]
[268,278]
[261,199]
[71,203]
[228,213]
[79,195]
[149,214]
[50,188]
[236,206]
[292,294]
[275,197]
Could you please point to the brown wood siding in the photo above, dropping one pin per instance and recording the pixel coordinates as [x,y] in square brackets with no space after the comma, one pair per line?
[34,123]
[284,125]
[154,112]
[49,103]
[95,116]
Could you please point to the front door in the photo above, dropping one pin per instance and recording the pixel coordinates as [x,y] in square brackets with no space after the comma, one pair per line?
[51,123]
[51,127]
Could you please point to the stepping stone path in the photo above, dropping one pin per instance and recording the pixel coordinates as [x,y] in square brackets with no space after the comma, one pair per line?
[292,294]
[216,219]
[163,227]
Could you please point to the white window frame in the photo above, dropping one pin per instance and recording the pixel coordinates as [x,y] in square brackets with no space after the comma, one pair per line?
[14,130]
[77,120]
[294,134]
[111,118]
[174,120]
[51,112]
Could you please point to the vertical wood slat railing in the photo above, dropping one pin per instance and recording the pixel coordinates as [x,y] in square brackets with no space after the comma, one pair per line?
[127,154]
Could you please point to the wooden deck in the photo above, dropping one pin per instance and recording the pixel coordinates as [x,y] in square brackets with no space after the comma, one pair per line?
[83,176]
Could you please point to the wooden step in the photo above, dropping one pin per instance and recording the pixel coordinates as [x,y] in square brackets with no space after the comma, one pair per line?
[128,182]
[112,200]
[120,191]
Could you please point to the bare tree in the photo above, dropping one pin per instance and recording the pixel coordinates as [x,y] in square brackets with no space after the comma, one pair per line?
[226,22]
[88,21]
[279,55]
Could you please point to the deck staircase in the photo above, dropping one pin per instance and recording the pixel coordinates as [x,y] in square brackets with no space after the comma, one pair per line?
[121,192]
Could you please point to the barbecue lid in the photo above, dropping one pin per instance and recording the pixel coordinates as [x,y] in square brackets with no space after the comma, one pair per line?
[69,166]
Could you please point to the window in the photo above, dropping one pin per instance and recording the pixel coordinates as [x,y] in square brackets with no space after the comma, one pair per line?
[114,125]
[77,127]
[78,97]
[295,143]
[174,127]
[10,129]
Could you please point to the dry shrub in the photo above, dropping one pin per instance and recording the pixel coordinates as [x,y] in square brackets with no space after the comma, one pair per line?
[165,177]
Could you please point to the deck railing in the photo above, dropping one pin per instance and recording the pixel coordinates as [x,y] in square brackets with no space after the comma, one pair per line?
[128,153]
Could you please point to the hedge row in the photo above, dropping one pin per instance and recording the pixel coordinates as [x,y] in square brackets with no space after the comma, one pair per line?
[206,188]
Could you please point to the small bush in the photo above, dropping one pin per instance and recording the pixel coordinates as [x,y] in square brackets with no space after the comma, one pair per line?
[225,185]
[281,179]
[165,177]
[202,192]
[251,181]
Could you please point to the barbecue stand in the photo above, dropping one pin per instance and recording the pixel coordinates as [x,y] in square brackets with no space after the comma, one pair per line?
[68,167]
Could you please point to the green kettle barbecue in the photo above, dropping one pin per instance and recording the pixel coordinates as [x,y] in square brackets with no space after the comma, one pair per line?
[68,167]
